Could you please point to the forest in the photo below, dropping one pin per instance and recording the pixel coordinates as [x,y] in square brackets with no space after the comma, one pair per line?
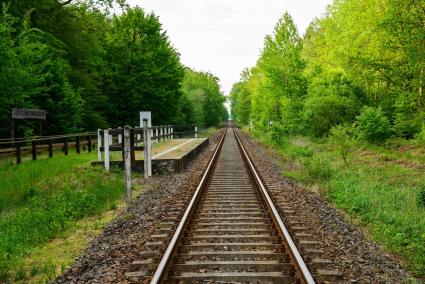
[358,71]
[95,64]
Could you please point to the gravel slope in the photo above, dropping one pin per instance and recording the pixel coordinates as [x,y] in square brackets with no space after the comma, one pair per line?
[110,255]
[360,260]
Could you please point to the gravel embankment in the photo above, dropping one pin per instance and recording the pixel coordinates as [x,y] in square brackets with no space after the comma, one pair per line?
[360,260]
[110,255]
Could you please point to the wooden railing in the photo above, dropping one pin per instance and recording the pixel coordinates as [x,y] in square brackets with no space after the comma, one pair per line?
[20,146]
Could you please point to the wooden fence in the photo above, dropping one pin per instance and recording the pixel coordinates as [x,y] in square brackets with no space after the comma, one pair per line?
[20,146]
[140,139]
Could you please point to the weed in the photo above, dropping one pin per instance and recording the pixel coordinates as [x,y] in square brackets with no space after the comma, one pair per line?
[318,168]
[421,197]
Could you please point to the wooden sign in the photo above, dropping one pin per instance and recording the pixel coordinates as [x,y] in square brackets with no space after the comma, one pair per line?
[24,113]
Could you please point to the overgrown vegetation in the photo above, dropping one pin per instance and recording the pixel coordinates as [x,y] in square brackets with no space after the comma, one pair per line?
[361,64]
[41,199]
[92,69]
[381,187]
[353,84]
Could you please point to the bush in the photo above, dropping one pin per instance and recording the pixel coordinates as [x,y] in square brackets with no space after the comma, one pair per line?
[372,125]
[318,168]
[322,113]
[342,138]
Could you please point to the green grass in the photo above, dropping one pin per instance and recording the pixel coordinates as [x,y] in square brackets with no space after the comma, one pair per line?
[42,199]
[381,187]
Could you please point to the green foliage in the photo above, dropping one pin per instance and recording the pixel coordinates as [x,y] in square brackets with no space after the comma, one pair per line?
[372,125]
[318,168]
[421,197]
[342,138]
[322,113]
[381,189]
[49,204]
[202,91]
[360,53]
[90,69]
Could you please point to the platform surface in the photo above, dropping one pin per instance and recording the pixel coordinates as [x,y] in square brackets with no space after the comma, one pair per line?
[166,150]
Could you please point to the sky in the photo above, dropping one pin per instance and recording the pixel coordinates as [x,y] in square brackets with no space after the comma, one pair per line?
[226,36]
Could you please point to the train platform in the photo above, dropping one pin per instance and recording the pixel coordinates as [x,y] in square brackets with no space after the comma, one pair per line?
[169,156]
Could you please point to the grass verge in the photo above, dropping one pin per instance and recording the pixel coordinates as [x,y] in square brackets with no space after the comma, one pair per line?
[380,187]
[43,200]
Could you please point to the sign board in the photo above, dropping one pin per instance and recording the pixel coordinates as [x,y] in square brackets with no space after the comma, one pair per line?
[24,113]
[146,115]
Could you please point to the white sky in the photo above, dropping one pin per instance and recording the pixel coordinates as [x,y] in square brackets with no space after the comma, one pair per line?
[226,36]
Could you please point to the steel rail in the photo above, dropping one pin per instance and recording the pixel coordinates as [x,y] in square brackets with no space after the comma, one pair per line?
[169,252]
[296,256]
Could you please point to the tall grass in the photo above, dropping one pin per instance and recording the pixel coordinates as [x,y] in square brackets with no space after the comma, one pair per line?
[41,199]
[383,187]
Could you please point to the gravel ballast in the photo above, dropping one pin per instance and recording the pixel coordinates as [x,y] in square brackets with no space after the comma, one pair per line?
[109,256]
[360,260]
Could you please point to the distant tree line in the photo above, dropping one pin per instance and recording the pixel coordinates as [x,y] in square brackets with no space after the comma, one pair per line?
[360,67]
[93,69]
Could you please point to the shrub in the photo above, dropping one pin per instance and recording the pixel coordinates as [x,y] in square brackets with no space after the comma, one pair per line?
[318,168]
[372,125]
[341,136]
[322,113]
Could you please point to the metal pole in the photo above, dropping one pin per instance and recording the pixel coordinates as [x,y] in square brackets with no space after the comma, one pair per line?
[106,148]
[127,165]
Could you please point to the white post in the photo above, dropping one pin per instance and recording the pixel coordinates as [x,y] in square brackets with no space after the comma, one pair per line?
[106,148]
[161,132]
[165,133]
[99,145]
[127,165]
[169,131]
[196,131]
[172,132]
[119,137]
[148,145]
[157,134]
[110,138]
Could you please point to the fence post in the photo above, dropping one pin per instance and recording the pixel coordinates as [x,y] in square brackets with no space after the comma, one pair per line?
[133,137]
[147,142]
[110,138]
[50,148]
[18,152]
[34,150]
[106,148]
[89,144]
[127,165]
[77,144]
[65,146]
[119,137]
[196,131]
[161,132]
[172,132]
[99,145]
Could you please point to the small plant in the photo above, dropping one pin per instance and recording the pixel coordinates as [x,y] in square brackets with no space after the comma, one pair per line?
[318,168]
[341,136]
[372,125]
[421,197]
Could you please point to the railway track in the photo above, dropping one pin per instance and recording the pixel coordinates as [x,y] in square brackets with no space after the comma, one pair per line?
[231,231]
